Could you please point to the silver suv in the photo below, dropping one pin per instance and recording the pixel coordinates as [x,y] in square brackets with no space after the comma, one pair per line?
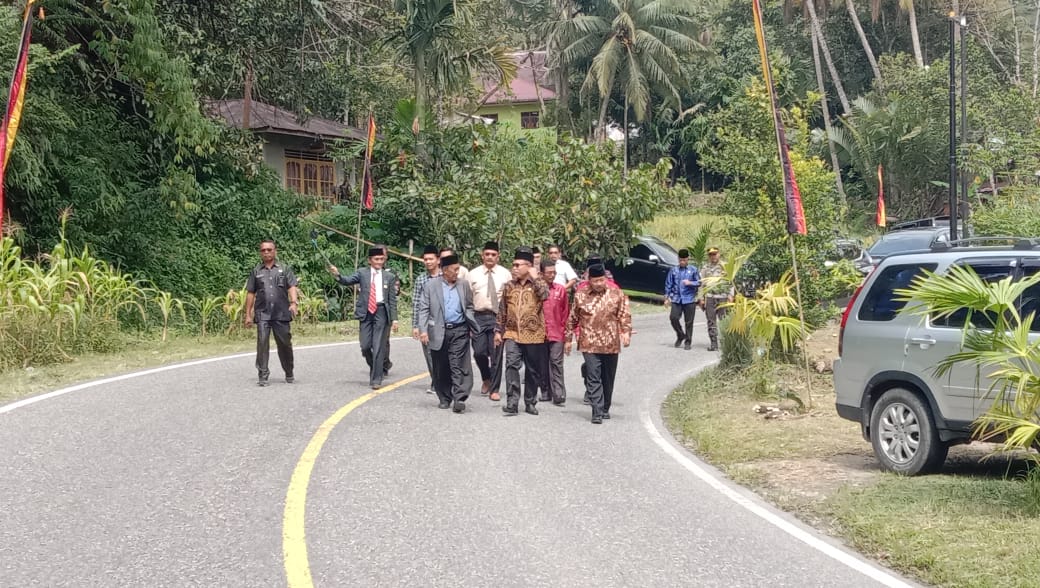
[885,375]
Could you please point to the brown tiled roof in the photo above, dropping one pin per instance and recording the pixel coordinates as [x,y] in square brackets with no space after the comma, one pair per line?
[265,118]
[530,65]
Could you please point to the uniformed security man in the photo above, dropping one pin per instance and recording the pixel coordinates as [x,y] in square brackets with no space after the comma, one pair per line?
[717,291]
[271,303]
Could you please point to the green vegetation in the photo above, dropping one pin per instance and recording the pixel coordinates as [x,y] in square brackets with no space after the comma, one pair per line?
[962,528]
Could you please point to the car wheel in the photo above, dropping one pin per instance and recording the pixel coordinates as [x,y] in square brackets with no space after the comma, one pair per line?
[903,434]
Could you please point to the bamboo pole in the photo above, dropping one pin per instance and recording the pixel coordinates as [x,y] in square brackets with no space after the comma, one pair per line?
[801,318]
[360,240]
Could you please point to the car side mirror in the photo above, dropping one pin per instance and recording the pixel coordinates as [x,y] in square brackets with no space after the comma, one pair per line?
[654,258]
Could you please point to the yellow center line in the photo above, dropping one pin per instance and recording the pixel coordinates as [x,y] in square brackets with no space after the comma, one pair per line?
[294,533]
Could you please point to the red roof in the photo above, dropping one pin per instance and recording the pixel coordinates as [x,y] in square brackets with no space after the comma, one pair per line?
[264,118]
[530,66]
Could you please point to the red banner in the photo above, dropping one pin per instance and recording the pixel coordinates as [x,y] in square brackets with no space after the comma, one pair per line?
[15,100]
[882,217]
[367,186]
[792,196]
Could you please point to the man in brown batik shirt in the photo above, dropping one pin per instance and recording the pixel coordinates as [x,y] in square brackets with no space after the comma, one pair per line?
[521,328]
[604,323]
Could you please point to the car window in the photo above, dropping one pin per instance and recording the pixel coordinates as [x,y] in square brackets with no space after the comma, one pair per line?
[664,251]
[641,252]
[880,303]
[899,242]
[990,272]
[1030,301]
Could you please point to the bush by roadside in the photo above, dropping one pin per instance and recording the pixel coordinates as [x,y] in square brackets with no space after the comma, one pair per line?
[973,525]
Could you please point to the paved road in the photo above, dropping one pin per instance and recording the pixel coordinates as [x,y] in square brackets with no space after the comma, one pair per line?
[180,478]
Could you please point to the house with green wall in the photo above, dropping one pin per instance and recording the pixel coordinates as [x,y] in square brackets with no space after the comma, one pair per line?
[522,102]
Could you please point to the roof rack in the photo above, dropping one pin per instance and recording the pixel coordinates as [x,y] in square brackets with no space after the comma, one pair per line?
[1018,243]
[932,221]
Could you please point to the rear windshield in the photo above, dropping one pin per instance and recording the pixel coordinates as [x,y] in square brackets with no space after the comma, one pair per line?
[897,242]
[880,303]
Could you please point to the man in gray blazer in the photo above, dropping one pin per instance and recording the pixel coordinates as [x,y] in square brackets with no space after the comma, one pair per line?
[445,320]
[376,307]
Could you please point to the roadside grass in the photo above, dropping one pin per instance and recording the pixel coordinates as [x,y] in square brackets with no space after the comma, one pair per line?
[946,529]
[148,351]
[974,524]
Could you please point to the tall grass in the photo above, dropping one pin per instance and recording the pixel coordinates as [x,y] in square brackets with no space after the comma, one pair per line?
[685,229]
[62,304]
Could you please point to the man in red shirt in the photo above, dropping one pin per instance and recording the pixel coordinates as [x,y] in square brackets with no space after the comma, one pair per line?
[556,310]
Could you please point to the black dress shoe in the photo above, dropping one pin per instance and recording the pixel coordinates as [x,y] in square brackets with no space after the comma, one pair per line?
[679,342]
[559,402]
[262,382]
[386,367]
[376,385]
[606,416]
[444,404]
[686,346]
[597,420]
[530,409]
[586,401]
[460,407]
[506,411]
[289,379]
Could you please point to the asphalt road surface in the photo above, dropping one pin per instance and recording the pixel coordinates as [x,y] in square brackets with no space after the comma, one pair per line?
[181,477]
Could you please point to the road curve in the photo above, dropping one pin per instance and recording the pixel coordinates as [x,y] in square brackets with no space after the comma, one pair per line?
[180,477]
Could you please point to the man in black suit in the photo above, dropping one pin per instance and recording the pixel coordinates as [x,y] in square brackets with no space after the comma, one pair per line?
[376,307]
[445,320]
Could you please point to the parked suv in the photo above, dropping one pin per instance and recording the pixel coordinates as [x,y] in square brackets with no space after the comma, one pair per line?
[885,375]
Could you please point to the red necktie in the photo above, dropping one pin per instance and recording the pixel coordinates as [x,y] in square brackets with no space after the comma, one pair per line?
[372,293]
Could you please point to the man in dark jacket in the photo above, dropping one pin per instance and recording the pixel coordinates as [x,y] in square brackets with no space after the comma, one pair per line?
[271,304]
[376,308]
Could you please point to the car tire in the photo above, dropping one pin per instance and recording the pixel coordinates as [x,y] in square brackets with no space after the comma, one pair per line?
[903,434]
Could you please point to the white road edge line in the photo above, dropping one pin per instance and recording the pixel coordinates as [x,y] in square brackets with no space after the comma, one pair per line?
[765,514]
[148,372]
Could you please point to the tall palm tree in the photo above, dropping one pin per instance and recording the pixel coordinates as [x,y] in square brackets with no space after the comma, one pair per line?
[440,40]
[817,34]
[634,43]
[850,7]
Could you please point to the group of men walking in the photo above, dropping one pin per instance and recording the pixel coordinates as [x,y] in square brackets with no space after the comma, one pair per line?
[517,319]
[685,288]
[504,320]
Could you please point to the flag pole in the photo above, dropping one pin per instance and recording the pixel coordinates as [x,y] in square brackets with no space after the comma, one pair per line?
[792,198]
[15,99]
[801,318]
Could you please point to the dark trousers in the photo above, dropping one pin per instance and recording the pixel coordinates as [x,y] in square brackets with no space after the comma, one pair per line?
[487,356]
[386,349]
[552,385]
[373,329]
[600,371]
[452,374]
[686,311]
[282,340]
[529,357]
[713,314]
[428,356]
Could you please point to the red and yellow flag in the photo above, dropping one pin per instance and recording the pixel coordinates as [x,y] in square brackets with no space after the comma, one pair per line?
[882,216]
[792,196]
[368,188]
[15,100]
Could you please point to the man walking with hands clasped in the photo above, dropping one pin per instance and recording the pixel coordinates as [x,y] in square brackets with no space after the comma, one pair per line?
[487,281]
[445,318]
[376,309]
[680,291]
[604,324]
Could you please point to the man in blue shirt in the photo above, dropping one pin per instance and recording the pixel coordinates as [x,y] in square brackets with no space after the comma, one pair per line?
[680,291]
[445,321]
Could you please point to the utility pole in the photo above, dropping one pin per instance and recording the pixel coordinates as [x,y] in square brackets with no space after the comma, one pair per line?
[952,200]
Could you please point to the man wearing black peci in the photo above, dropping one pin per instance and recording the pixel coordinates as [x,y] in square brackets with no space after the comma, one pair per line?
[376,308]
[445,320]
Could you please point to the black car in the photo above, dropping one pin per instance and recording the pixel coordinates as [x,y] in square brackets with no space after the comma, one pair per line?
[646,266]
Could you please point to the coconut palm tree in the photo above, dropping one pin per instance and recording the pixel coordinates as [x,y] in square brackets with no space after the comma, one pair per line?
[850,7]
[997,342]
[636,44]
[440,40]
